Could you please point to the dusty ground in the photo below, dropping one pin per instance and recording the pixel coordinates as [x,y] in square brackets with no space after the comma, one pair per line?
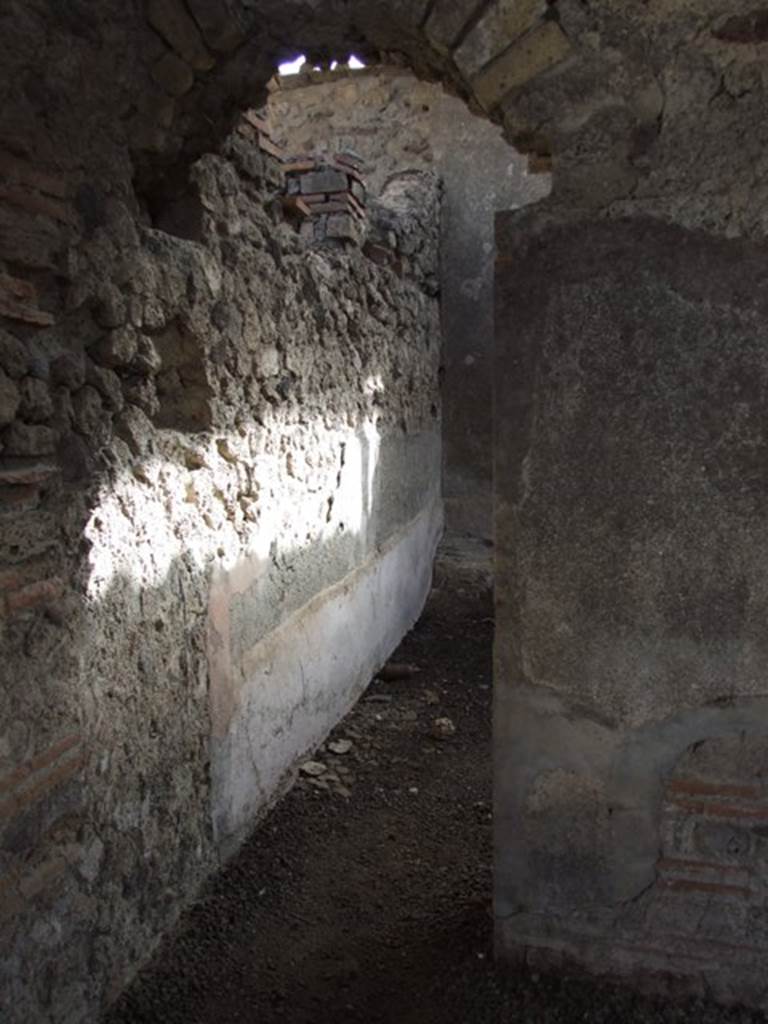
[365,895]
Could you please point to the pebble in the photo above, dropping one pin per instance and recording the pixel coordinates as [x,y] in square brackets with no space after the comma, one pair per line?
[313,768]
[443,728]
[340,746]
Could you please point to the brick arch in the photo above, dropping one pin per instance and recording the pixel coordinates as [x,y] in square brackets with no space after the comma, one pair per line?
[217,56]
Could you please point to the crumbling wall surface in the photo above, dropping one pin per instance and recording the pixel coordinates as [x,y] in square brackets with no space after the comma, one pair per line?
[396,121]
[219,495]
[631,719]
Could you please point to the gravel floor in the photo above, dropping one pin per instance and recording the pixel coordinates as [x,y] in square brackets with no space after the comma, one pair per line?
[365,895]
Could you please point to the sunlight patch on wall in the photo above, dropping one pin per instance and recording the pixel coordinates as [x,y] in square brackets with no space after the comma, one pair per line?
[239,502]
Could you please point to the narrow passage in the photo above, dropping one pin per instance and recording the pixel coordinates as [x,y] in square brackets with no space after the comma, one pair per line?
[365,895]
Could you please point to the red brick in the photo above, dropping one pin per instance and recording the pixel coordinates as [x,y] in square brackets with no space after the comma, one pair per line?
[356,166]
[26,472]
[19,311]
[33,595]
[46,757]
[718,888]
[296,204]
[34,202]
[258,122]
[694,866]
[16,288]
[539,163]
[720,810]
[14,499]
[13,579]
[378,253]
[351,172]
[12,168]
[269,147]
[50,769]
[299,167]
[355,204]
[696,787]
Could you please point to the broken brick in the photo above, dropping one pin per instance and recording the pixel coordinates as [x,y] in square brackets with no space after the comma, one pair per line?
[26,472]
[12,168]
[19,311]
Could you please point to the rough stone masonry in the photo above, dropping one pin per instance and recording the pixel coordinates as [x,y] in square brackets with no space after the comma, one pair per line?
[194,405]
[396,121]
[220,500]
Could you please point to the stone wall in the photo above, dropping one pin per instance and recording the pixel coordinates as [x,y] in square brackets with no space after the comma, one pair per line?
[631,720]
[647,111]
[219,491]
[396,122]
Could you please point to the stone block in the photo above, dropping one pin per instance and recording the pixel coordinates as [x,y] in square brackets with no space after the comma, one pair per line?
[173,74]
[107,383]
[88,410]
[118,349]
[142,392]
[109,306]
[174,23]
[325,180]
[36,405]
[267,362]
[446,21]
[342,226]
[147,360]
[503,23]
[535,53]
[14,357]
[222,22]
[751,28]
[68,369]
[408,12]
[29,439]
[10,399]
